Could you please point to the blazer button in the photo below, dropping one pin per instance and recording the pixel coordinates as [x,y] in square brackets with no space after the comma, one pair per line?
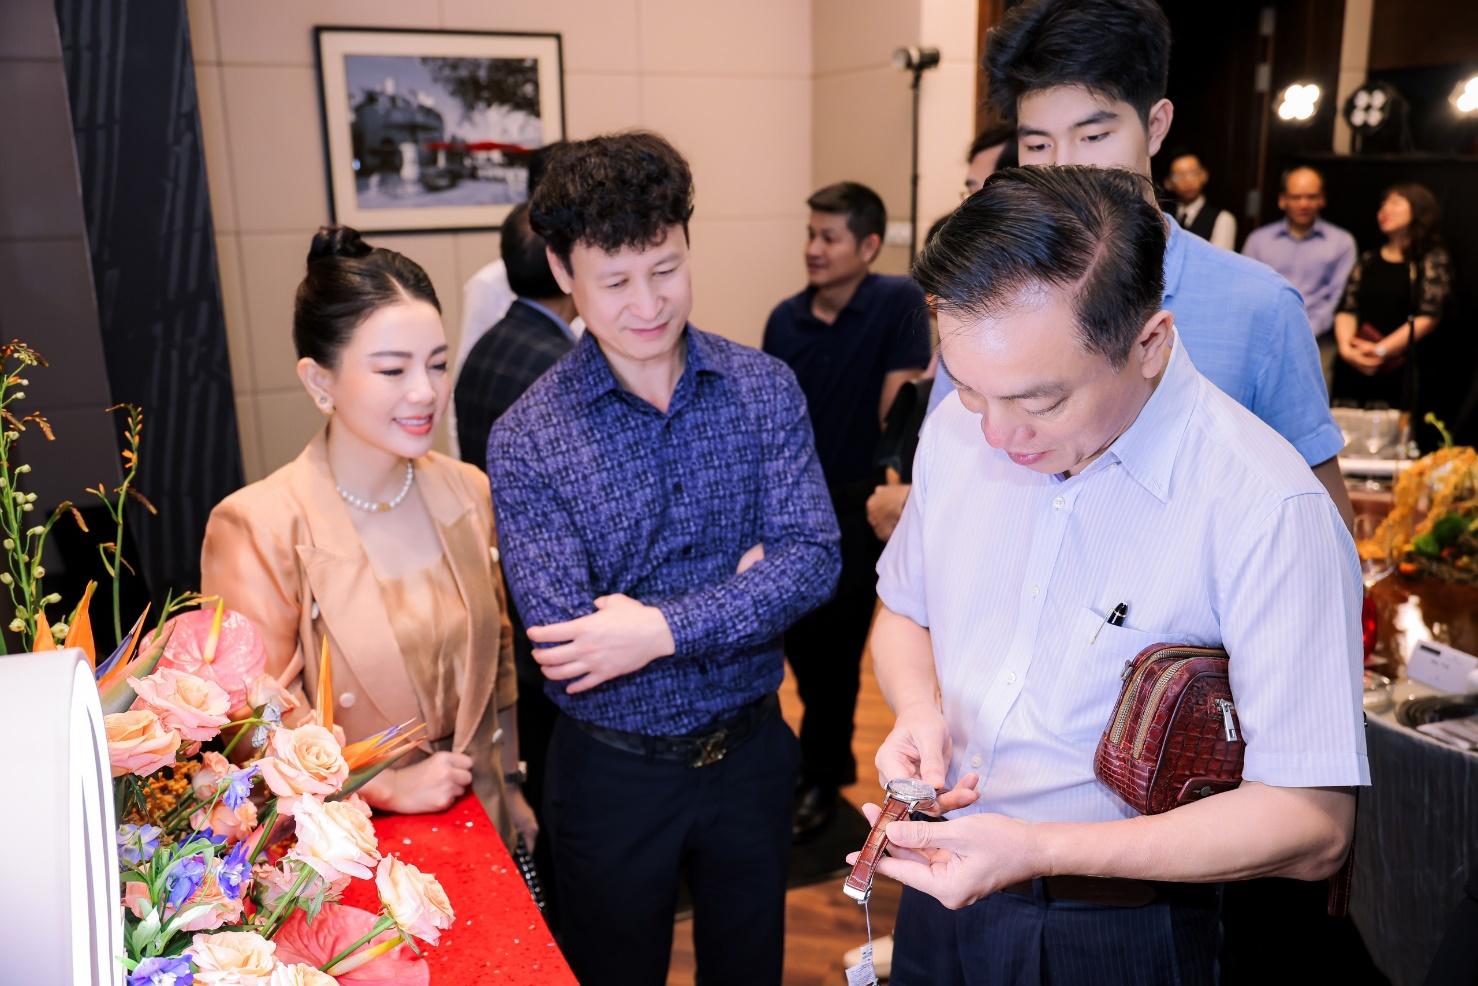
[313,611]
[347,700]
[497,734]
[493,553]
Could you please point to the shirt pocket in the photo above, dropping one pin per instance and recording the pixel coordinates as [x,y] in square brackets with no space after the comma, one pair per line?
[1091,675]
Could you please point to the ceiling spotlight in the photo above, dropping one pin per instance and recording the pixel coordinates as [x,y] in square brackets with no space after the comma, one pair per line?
[1298,103]
[1465,96]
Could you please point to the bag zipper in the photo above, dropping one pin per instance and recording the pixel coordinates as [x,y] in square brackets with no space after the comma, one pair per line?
[1152,704]
[1131,674]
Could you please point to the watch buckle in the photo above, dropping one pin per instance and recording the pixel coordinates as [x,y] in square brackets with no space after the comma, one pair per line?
[711,749]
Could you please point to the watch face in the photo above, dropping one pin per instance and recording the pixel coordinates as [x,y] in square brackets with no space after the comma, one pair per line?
[910,789]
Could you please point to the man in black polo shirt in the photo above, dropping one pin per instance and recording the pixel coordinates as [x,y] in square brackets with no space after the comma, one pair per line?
[852,338]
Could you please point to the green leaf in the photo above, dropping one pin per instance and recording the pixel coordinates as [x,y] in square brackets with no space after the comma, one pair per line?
[148,928]
[1451,527]
[1427,546]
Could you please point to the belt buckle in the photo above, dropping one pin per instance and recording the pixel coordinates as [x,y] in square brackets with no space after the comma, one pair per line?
[711,749]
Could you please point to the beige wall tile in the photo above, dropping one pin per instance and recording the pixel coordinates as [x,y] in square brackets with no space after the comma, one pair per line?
[719,37]
[276,146]
[598,104]
[202,17]
[280,32]
[217,150]
[233,301]
[855,34]
[248,431]
[474,252]
[286,421]
[946,125]
[894,259]
[861,133]
[741,270]
[747,140]
[950,26]
[598,35]
[272,266]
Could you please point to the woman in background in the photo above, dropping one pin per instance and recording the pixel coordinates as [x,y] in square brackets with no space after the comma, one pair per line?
[1395,296]
[384,548]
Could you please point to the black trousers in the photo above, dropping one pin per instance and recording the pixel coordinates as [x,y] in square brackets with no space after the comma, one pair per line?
[536,718]
[825,650]
[1015,940]
[627,828]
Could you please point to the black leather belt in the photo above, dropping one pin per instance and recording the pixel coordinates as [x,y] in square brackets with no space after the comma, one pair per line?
[699,749]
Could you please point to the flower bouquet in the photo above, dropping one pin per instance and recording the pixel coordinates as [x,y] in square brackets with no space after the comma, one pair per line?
[235,824]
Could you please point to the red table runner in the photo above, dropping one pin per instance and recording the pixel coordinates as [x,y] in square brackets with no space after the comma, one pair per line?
[499,936]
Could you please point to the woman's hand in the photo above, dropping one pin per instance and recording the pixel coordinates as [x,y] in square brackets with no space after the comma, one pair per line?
[521,814]
[428,785]
[1360,354]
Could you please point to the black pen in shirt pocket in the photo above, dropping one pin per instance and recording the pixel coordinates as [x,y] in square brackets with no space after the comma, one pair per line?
[1115,618]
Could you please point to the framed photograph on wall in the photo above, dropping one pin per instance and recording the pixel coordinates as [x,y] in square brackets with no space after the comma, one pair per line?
[432,130]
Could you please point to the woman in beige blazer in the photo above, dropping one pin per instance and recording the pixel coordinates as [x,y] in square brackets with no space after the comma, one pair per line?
[384,548]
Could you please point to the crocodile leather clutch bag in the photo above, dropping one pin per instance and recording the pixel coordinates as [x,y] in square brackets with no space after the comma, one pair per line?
[1173,737]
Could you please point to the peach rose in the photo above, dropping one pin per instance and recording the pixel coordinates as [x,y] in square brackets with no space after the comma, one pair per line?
[271,882]
[300,975]
[136,898]
[306,760]
[334,838]
[213,767]
[233,958]
[264,689]
[138,743]
[414,900]
[194,706]
[234,823]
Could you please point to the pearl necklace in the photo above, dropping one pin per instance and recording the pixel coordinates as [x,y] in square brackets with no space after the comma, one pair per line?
[378,506]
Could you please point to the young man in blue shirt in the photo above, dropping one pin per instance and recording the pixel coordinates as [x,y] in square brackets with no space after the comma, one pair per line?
[852,338]
[662,520]
[1243,325]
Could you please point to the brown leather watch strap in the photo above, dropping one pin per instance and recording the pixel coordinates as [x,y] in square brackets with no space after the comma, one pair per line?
[859,882]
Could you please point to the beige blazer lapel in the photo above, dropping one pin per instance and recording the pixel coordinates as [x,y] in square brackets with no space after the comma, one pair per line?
[466,543]
[345,596]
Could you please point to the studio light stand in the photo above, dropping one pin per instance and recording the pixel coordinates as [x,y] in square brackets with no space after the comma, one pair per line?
[917,61]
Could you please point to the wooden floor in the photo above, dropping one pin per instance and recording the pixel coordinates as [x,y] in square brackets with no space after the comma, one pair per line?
[821,923]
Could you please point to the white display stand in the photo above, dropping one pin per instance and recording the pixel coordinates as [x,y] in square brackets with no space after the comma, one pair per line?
[61,919]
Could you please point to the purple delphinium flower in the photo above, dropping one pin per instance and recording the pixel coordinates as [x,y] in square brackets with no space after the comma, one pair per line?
[204,835]
[171,970]
[238,787]
[184,876]
[234,872]
[138,843]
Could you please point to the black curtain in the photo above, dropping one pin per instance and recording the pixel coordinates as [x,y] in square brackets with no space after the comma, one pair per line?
[131,85]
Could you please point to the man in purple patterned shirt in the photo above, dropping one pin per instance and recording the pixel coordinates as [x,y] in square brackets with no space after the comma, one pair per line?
[662,519]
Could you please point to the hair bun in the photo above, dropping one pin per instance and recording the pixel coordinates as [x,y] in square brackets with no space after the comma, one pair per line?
[337,241]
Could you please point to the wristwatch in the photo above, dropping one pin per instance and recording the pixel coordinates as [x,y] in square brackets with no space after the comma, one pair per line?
[519,776]
[905,795]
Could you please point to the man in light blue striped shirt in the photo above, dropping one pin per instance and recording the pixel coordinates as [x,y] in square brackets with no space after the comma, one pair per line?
[1087,464]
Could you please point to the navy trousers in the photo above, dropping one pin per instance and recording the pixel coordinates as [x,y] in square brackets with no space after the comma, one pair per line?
[1013,940]
[627,830]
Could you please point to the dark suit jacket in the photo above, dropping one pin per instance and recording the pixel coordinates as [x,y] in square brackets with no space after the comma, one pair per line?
[501,366]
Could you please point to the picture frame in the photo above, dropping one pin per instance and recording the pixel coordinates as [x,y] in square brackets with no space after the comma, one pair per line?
[431,131]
